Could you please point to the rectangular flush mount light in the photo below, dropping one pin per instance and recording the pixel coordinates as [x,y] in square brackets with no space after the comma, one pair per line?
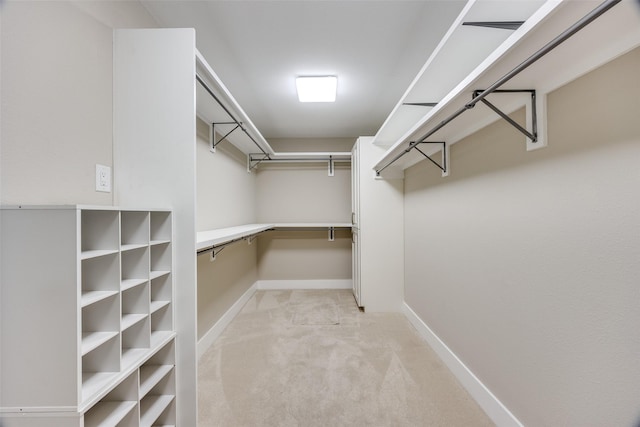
[317,88]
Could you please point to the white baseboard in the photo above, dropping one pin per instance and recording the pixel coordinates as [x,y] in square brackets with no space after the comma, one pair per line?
[498,413]
[271,285]
[216,330]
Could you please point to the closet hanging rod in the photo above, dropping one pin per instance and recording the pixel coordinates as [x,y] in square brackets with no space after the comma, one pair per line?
[580,24]
[238,123]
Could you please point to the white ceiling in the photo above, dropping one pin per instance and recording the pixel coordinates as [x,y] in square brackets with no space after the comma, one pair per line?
[257,48]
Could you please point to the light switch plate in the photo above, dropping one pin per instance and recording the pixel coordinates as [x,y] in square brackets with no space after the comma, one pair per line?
[103,178]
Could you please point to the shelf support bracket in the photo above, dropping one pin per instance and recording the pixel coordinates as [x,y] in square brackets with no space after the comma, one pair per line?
[332,234]
[214,253]
[532,115]
[212,134]
[253,163]
[331,170]
[444,167]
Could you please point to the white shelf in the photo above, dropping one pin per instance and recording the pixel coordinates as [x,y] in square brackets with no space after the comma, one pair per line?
[132,246]
[97,253]
[95,382]
[159,273]
[160,338]
[211,112]
[159,242]
[157,305]
[131,283]
[150,375]
[132,356]
[303,225]
[312,155]
[128,320]
[91,297]
[209,238]
[610,35]
[151,407]
[93,340]
[108,414]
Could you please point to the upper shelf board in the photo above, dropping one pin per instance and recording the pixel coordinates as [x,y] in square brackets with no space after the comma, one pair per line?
[210,111]
[611,35]
[459,52]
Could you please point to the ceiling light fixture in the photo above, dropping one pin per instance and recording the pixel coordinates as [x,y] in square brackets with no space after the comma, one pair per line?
[317,88]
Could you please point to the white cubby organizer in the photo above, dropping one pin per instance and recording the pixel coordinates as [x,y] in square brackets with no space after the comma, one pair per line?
[87,317]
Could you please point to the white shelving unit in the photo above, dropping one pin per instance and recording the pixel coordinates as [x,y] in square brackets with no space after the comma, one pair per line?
[449,77]
[82,322]
[378,235]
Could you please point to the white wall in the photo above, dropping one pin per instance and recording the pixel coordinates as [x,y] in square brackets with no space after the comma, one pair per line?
[304,193]
[526,264]
[226,194]
[225,197]
[57,98]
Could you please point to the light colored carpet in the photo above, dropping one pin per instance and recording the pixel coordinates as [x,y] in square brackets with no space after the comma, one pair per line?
[311,358]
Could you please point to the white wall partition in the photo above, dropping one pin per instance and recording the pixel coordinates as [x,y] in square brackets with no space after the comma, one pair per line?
[526,265]
[154,163]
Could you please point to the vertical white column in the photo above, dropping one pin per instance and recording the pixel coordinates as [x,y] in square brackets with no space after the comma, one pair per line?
[154,165]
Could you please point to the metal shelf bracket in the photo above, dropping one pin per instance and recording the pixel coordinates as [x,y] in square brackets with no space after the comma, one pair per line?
[444,167]
[532,108]
[212,134]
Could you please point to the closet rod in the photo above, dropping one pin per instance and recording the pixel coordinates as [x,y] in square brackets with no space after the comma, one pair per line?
[586,20]
[204,85]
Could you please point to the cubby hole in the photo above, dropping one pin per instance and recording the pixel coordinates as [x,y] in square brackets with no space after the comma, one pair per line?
[100,322]
[157,368]
[100,366]
[161,291]
[100,278]
[118,408]
[161,322]
[157,407]
[135,305]
[134,229]
[135,267]
[100,230]
[136,341]
[160,258]
[160,227]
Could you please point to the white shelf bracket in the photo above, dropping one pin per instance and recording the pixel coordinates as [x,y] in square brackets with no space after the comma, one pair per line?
[332,234]
[331,170]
